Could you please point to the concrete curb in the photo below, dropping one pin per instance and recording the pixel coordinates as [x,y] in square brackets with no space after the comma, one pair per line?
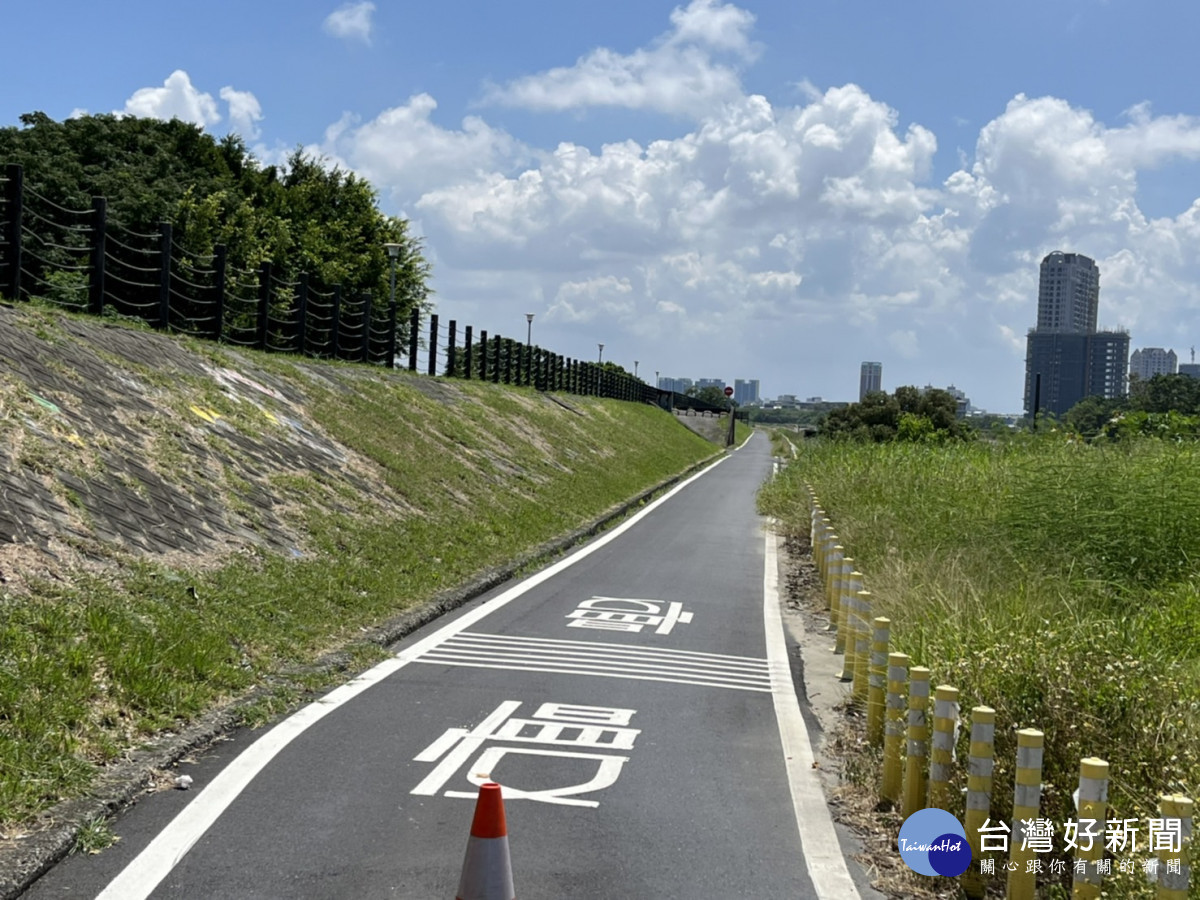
[24,860]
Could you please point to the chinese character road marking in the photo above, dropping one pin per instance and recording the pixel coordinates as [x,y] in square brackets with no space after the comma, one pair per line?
[555,725]
[492,651]
[626,614]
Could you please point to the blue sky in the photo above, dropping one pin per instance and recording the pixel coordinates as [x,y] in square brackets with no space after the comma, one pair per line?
[772,190]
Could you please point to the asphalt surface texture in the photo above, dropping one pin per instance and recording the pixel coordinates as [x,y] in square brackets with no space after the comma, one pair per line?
[622,699]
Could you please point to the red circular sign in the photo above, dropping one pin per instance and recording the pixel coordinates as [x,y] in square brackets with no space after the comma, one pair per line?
[728,392]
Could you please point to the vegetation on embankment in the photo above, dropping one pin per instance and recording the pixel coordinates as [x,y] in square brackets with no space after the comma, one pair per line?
[1052,580]
[422,484]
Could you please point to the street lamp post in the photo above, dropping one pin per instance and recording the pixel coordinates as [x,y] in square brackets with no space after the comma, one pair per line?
[529,349]
[393,252]
[635,365]
[601,359]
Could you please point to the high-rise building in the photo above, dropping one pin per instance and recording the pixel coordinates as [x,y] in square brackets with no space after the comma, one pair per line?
[679,385]
[1068,294]
[1191,370]
[1150,361]
[1066,358]
[745,391]
[703,383]
[870,378]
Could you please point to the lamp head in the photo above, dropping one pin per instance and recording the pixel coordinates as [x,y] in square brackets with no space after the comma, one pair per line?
[393,250]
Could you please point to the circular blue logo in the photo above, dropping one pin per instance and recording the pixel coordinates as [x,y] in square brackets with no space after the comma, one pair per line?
[933,842]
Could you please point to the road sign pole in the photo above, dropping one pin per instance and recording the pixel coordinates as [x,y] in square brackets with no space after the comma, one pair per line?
[729,396]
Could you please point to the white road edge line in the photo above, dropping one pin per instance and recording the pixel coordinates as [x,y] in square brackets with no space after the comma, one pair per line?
[143,874]
[818,840]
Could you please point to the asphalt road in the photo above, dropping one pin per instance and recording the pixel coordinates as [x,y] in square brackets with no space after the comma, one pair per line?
[626,697]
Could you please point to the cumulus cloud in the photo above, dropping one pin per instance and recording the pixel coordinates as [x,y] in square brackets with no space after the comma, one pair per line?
[244,112]
[351,22]
[792,230]
[176,99]
[407,154]
[677,74]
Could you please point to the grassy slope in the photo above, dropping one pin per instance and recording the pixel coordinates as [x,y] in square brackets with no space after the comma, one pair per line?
[463,476]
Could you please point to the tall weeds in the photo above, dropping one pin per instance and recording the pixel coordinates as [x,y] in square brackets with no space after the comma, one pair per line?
[1056,582]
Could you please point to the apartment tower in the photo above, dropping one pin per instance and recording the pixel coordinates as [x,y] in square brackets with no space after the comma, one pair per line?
[870,378]
[1066,358]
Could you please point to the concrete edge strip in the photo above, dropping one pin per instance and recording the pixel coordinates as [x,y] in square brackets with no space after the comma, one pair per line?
[24,861]
[818,840]
[144,873]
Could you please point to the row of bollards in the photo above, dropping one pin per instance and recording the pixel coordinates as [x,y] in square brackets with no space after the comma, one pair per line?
[919,761]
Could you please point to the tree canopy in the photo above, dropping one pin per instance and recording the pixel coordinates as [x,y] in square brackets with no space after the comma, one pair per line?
[907,415]
[1163,406]
[303,216]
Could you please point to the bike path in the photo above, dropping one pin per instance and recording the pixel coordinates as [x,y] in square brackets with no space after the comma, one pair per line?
[623,697]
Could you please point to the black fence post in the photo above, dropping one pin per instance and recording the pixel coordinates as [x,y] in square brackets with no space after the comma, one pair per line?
[302,313]
[96,279]
[391,341]
[526,358]
[433,330]
[366,326]
[414,322]
[467,350]
[335,322]
[14,195]
[219,257]
[164,275]
[483,351]
[508,360]
[451,350]
[264,304]
[558,372]
[496,359]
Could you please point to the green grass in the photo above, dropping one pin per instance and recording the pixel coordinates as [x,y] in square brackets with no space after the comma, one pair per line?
[95,664]
[1056,582]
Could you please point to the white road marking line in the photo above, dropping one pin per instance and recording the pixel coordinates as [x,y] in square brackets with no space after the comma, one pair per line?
[629,675]
[143,874]
[627,648]
[471,741]
[818,839]
[456,657]
[601,660]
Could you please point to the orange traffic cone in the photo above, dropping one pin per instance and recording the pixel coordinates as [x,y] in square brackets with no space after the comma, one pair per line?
[487,872]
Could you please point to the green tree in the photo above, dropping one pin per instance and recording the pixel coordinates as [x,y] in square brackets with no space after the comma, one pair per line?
[303,216]
[711,395]
[908,415]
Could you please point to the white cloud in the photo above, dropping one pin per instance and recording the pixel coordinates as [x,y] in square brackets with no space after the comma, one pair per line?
[406,154]
[176,99]
[244,112]
[351,21]
[779,235]
[677,74]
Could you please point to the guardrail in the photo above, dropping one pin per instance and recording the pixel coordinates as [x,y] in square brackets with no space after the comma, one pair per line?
[919,768]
